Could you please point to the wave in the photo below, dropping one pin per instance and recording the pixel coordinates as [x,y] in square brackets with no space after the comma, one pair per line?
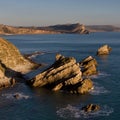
[72,112]
[16,95]
[100,74]
[97,90]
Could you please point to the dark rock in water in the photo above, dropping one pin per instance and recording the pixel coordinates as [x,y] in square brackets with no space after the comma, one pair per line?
[88,66]
[17,96]
[64,74]
[91,108]
[104,50]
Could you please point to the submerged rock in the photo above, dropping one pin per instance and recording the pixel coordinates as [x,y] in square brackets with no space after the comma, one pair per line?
[91,108]
[88,66]
[64,74]
[104,50]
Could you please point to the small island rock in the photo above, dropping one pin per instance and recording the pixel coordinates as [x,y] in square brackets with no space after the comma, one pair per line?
[104,50]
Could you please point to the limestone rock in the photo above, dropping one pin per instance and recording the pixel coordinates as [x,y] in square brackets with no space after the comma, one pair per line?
[88,66]
[86,86]
[11,57]
[62,71]
[91,108]
[104,50]
[64,74]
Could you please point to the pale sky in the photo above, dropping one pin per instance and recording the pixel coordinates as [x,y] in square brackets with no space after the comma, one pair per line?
[50,12]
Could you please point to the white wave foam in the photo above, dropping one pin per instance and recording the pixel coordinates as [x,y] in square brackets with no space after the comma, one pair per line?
[100,74]
[71,112]
[97,90]
[16,95]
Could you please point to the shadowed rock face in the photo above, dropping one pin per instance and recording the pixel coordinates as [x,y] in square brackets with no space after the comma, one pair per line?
[11,57]
[64,74]
[104,50]
[6,76]
[88,66]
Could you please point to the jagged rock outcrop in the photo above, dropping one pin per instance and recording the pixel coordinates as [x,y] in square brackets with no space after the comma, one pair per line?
[11,57]
[88,66]
[91,108]
[64,74]
[104,50]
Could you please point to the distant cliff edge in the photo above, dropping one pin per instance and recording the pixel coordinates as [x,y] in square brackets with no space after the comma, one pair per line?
[56,29]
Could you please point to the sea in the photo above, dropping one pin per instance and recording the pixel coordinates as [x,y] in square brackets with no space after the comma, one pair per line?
[43,104]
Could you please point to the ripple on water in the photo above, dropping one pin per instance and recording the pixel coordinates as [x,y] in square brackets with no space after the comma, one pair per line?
[72,112]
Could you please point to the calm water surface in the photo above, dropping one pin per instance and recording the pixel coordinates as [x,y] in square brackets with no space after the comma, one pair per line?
[42,104]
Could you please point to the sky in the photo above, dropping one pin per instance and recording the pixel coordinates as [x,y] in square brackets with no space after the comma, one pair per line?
[51,12]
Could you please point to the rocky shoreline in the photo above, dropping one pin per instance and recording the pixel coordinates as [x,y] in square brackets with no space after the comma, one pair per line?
[65,74]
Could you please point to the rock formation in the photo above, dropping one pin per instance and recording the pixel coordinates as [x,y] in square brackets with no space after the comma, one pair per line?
[11,57]
[91,108]
[12,64]
[64,74]
[88,66]
[104,50]
[6,76]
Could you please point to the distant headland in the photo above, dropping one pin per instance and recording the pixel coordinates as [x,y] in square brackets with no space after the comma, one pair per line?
[76,28]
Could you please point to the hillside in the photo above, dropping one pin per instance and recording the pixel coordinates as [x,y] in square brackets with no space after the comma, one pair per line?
[103,28]
[5,29]
[66,28]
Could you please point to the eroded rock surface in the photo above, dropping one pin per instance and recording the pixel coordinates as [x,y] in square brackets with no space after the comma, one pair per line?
[12,64]
[12,58]
[89,66]
[65,74]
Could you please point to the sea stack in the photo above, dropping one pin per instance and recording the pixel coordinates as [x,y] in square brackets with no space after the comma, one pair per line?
[64,74]
[104,50]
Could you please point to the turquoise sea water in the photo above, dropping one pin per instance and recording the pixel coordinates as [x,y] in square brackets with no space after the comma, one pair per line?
[42,104]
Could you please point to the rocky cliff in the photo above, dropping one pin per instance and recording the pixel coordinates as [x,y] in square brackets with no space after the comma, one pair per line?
[12,64]
[12,58]
[68,28]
